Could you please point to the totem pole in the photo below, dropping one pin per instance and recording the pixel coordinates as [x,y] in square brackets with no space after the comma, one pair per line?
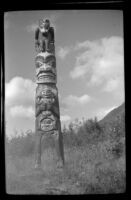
[46,103]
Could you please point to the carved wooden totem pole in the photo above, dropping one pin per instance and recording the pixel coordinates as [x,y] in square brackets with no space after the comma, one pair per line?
[47,103]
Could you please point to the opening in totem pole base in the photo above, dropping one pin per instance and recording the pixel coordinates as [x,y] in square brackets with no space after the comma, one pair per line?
[47,102]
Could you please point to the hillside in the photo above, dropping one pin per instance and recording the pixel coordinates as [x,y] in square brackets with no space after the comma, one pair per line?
[114,114]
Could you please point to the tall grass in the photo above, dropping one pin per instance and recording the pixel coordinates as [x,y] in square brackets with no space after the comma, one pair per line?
[94,154]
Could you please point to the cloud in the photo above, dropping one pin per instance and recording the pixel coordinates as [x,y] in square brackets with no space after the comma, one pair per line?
[19,91]
[63,52]
[73,100]
[111,85]
[21,111]
[101,63]
[65,118]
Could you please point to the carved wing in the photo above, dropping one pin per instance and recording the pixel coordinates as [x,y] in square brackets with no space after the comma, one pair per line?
[36,34]
[52,34]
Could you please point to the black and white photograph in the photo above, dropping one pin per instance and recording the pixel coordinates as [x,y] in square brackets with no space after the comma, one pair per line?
[64,102]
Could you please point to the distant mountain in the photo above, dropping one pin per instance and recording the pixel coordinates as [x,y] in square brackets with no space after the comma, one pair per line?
[114,114]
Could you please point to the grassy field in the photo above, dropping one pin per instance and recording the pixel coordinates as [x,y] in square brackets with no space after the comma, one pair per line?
[94,160]
[94,168]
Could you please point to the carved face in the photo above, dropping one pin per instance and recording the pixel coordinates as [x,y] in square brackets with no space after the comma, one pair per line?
[47,92]
[44,23]
[44,70]
[49,88]
[47,124]
[46,95]
[47,121]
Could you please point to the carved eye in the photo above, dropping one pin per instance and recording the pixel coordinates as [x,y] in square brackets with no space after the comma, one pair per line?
[38,99]
[43,92]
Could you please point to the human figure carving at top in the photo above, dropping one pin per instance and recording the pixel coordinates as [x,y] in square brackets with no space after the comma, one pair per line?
[44,35]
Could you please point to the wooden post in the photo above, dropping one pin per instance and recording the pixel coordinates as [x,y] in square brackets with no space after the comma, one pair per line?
[46,103]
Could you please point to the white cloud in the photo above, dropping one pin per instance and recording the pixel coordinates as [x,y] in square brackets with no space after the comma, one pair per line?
[101,63]
[21,111]
[73,100]
[19,91]
[63,52]
[111,85]
[65,118]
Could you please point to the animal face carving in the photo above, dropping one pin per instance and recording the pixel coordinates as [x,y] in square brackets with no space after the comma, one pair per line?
[46,121]
[47,99]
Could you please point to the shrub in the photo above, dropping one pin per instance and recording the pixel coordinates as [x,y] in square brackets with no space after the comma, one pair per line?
[89,131]
[114,130]
[118,149]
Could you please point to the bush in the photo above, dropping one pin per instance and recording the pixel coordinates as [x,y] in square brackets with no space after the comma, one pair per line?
[90,131]
[114,130]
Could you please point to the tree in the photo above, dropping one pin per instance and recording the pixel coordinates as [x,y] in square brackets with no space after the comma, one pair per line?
[71,127]
[64,129]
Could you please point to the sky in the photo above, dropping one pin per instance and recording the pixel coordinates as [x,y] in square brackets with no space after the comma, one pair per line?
[89,59]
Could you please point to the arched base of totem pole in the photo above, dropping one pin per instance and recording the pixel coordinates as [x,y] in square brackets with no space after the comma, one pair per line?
[57,136]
